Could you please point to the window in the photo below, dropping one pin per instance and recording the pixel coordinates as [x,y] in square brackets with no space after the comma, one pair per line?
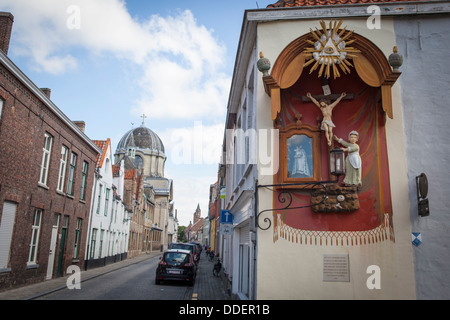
[6,230]
[138,162]
[76,244]
[46,150]
[35,231]
[100,248]
[83,180]
[93,240]
[73,164]
[106,201]
[1,108]
[62,168]
[99,198]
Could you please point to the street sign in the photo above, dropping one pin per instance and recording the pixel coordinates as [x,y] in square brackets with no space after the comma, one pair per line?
[226,228]
[226,216]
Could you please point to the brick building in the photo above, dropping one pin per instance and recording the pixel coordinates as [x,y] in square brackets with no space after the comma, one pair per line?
[46,175]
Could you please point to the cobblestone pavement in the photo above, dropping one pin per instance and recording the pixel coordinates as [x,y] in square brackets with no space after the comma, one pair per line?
[207,286]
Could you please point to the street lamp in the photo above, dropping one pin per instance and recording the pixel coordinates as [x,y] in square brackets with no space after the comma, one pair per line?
[337,159]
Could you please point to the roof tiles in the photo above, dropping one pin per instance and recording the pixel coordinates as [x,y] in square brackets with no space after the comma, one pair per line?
[301,3]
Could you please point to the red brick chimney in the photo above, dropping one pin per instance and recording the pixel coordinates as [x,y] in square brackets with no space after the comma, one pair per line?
[47,92]
[6,22]
[81,125]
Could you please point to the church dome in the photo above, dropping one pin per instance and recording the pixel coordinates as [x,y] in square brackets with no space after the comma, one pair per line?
[142,139]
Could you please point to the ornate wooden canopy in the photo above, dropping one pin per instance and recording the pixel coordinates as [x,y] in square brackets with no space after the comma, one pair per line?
[370,63]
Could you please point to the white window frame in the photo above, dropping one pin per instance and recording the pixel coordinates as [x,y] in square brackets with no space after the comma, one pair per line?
[93,242]
[106,201]
[62,168]
[35,235]
[99,198]
[46,152]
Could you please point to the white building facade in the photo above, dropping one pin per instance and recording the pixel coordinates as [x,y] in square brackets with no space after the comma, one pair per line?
[109,223]
[274,222]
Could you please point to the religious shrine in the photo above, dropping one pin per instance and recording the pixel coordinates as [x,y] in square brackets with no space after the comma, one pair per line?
[331,202]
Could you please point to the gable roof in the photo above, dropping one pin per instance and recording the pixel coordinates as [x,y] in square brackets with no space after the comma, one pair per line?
[103,146]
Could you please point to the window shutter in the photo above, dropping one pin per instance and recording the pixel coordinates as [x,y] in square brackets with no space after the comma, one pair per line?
[244,235]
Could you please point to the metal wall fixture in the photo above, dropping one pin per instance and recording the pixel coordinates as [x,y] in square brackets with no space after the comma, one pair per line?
[422,193]
[285,198]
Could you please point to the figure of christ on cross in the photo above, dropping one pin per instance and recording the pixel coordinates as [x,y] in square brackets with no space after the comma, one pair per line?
[327,112]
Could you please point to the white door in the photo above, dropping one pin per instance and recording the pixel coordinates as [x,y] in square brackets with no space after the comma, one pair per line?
[51,255]
[6,231]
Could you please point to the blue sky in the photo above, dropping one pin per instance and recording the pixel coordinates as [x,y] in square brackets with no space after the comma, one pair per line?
[108,62]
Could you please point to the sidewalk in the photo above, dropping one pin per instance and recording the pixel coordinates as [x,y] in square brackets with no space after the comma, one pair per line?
[35,290]
[207,286]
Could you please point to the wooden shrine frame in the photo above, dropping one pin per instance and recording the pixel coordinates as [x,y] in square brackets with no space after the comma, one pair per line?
[370,63]
[314,133]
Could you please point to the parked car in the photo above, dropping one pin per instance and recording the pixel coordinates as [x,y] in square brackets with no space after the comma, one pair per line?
[187,246]
[199,247]
[176,264]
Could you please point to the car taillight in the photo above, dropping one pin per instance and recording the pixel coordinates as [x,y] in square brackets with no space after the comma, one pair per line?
[189,264]
[163,263]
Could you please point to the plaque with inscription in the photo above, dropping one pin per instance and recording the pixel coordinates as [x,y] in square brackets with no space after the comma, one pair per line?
[336,268]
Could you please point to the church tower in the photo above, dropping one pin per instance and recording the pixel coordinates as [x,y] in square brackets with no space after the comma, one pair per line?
[197,213]
[144,154]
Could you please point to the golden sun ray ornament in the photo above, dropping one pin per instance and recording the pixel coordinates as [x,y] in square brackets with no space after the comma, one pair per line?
[330,50]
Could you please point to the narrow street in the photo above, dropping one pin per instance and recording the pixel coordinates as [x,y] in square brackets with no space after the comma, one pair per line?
[134,282]
[132,279]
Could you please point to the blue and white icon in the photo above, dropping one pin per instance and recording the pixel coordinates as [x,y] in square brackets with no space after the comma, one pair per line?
[416,238]
[226,216]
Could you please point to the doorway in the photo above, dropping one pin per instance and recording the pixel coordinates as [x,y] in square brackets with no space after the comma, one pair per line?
[62,247]
[54,239]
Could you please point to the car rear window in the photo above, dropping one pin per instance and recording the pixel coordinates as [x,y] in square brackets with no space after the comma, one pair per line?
[176,257]
[182,246]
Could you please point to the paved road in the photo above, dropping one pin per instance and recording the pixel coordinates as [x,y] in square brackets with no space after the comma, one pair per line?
[134,282]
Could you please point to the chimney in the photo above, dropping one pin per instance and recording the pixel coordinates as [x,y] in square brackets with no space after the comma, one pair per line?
[80,124]
[6,22]
[47,91]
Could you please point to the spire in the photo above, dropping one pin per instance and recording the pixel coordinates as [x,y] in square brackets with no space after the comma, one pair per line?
[197,213]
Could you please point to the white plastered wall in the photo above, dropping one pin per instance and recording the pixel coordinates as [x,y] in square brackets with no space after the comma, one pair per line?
[289,270]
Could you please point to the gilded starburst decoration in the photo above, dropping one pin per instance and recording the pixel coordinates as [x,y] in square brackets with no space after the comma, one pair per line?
[330,50]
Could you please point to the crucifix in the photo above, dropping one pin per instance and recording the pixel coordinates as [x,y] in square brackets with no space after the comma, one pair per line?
[143,118]
[326,107]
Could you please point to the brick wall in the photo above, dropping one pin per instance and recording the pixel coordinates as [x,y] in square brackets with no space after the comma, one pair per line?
[24,121]
[6,22]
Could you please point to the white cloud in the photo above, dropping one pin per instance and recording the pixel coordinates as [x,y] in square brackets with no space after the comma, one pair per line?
[179,61]
[191,190]
[199,144]
[177,64]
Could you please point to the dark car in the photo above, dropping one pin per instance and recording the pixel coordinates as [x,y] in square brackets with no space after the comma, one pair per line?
[176,264]
[199,247]
[186,246]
